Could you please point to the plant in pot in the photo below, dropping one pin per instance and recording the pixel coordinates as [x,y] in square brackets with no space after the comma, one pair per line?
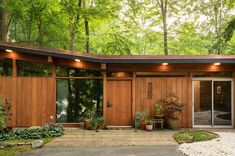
[89,116]
[144,115]
[96,122]
[149,125]
[138,117]
[158,110]
[172,108]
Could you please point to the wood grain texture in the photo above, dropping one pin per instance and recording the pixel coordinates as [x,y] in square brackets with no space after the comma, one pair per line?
[161,87]
[119,95]
[32,99]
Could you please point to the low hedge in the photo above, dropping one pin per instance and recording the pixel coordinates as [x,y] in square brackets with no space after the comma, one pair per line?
[47,131]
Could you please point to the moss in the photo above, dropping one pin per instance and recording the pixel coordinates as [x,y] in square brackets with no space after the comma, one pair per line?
[188,136]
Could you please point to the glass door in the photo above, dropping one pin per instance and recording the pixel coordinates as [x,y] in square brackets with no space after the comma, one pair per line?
[212,103]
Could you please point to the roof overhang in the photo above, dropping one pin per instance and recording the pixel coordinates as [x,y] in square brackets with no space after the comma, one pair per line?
[117,58]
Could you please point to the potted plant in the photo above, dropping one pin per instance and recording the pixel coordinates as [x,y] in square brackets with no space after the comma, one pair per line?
[149,125]
[96,122]
[89,116]
[172,108]
[138,117]
[101,124]
[158,110]
[144,115]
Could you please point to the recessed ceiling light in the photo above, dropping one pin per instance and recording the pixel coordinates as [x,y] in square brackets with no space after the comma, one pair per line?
[9,50]
[165,64]
[217,63]
[77,60]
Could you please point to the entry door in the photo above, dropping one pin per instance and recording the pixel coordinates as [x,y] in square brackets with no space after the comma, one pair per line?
[118,106]
[212,103]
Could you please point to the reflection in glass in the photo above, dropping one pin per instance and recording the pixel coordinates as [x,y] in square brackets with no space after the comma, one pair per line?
[222,103]
[5,67]
[202,103]
[74,97]
[25,68]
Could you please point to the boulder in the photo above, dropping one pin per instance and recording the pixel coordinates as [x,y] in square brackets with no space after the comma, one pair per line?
[37,144]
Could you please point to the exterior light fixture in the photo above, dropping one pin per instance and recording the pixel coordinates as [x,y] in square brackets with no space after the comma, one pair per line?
[165,64]
[9,50]
[77,60]
[217,63]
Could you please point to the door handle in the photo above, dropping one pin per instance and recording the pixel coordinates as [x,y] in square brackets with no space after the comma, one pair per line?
[109,104]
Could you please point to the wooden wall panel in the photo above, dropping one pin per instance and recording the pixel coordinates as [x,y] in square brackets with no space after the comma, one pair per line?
[32,99]
[161,87]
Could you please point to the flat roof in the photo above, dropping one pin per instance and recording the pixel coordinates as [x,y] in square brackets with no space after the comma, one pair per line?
[66,54]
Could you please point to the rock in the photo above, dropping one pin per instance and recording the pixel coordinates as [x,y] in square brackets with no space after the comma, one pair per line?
[37,144]
[4,145]
[21,143]
[34,127]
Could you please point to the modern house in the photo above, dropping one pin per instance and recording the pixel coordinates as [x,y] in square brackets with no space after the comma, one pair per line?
[48,85]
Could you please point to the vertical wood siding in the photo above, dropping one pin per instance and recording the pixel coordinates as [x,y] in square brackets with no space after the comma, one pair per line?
[161,86]
[33,100]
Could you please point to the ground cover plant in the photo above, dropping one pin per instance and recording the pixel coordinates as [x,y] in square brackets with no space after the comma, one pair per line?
[189,136]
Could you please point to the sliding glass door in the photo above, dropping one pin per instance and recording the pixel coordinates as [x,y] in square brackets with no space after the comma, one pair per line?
[212,103]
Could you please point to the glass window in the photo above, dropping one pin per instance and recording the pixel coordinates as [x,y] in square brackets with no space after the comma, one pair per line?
[75,97]
[76,72]
[5,67]
[25,68]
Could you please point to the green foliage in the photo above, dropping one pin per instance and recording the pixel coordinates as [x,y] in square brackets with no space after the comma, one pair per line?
[5,107]
[97,121]
[148,122]
[189,136]
[123,27]
[49,131]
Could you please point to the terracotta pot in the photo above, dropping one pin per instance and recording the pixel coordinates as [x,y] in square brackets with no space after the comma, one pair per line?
[101,126]
[87,124]
[82,125]
[173,123]
[142,125]
[149,127]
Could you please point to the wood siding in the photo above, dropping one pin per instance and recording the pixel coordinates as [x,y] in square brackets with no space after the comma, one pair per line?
[32,98]
[146,98]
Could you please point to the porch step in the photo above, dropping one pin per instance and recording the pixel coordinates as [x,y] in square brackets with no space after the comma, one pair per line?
[119,127]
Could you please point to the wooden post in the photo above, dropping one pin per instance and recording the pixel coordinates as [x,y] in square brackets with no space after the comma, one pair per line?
[233,99]
[14,68]
[104,94]
[54,93]
[190,78]
[133,98]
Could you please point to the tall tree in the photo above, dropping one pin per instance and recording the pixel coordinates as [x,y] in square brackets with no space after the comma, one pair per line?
[163,4]
[3,20]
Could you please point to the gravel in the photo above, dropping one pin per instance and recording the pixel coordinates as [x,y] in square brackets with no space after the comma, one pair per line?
[222,146]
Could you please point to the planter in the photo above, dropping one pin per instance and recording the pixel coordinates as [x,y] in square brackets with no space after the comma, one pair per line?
[87,124]
[101,126]
[82,125]
[142,125]
[149,127]
[173,123]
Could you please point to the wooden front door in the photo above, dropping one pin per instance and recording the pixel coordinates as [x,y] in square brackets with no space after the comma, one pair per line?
[118,104]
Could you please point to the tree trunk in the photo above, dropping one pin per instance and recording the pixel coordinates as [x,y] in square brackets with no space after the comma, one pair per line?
[3,21]
[163,5]
[73,26]
[87,36]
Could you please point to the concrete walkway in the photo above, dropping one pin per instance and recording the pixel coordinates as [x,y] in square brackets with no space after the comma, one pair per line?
[77,142]
[77,137]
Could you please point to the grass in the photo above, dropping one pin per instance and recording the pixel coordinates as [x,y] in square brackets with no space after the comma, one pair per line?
[17,150]
[189,136]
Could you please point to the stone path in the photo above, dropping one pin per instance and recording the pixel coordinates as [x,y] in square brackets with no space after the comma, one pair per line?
[76,137]
[77,142]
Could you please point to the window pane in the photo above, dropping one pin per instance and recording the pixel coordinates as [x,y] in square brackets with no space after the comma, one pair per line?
[76,72]
[25,68]
[74,97]
[5,67]
[202,103]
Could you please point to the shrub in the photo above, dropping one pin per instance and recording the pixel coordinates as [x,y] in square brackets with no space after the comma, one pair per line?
[5,107]
[53,130]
